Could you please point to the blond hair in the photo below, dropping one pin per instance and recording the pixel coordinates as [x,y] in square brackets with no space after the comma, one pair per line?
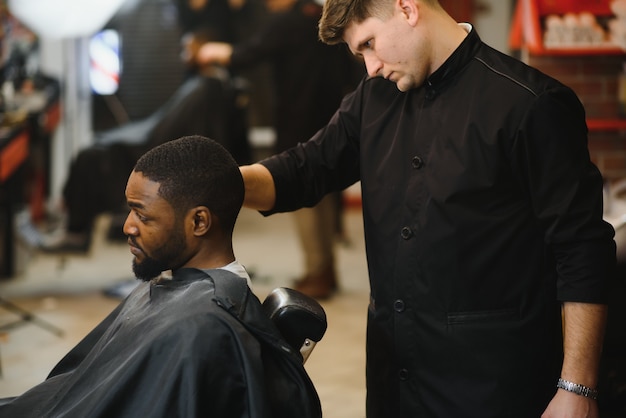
[338,14]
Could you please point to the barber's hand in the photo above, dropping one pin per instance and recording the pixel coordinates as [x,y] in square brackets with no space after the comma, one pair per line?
[214,52]
[570,405]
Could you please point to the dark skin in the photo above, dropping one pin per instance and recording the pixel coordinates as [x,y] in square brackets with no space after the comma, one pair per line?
[157,234]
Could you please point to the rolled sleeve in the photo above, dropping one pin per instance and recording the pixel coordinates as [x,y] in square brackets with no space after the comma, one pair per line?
[565,190]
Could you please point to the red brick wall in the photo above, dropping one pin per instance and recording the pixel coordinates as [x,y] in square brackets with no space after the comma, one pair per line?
[461,11]
[594,79]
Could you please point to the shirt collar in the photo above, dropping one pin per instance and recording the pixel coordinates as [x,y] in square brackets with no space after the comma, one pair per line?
[238,269]
[234,267]
[459,59]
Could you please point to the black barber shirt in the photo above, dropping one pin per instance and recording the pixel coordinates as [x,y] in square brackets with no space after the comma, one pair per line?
[482,212]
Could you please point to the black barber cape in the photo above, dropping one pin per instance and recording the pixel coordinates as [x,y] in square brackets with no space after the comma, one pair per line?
[198,345]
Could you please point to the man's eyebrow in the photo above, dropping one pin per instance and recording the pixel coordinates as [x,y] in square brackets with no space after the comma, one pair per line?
[135,205]
[359,47]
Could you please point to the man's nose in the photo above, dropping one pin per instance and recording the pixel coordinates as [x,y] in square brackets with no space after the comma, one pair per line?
[373,65]
[129,227]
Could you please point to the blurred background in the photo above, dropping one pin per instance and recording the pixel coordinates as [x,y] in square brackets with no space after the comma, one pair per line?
[79,75]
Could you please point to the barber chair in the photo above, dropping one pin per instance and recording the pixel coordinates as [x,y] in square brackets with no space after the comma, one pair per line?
[300,319]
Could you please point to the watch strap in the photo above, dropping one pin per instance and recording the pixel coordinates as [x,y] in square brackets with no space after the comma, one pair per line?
[577,389]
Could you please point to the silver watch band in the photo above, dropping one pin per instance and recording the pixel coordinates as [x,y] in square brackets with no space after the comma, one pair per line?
[577,389]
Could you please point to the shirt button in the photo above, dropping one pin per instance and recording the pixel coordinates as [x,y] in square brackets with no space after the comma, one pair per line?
[403,374]
[398,306]
[406,233]
[417,163]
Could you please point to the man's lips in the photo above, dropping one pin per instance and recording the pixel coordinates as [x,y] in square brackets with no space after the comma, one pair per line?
[134,249]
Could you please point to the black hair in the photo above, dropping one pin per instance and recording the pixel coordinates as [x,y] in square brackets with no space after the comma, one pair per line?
[196,171]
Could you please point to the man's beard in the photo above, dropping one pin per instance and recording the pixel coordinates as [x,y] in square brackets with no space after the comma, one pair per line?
[148,269]
[165,258]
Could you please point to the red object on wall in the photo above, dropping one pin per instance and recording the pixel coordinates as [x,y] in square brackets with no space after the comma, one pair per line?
[13,154]
[526,30]
[590,71]
[597,7]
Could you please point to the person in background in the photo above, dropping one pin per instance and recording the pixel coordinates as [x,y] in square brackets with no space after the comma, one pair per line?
[210,102]
[204,21]
[309,80]
[196,344]
[488,256]
[225,20]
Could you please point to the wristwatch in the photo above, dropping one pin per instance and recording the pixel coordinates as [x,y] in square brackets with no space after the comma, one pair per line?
[577,389]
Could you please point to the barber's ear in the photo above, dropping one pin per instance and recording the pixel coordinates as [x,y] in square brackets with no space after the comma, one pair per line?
[409,10]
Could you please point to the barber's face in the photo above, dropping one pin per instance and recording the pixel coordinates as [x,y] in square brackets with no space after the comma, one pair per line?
[391,48]
[155,235]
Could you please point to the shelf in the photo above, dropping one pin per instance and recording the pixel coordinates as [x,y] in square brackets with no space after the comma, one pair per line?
[606,124]
[597,7]
[527,32]
[578,51]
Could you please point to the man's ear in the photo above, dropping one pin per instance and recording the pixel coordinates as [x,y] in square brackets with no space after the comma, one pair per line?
[202,220]
[409,10]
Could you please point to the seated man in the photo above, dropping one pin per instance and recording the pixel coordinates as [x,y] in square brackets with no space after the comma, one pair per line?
[197,344]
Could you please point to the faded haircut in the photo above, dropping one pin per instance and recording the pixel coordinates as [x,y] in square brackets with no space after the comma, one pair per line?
[196,171]
[337,15]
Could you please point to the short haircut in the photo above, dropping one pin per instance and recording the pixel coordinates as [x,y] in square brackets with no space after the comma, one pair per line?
[196,171]
[339,14]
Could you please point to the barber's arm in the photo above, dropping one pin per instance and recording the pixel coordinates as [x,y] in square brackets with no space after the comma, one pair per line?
[259,187]
[566,191]
[583,333]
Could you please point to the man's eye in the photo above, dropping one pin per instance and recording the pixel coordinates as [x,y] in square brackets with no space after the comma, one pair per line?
[368,44]
[140,217]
